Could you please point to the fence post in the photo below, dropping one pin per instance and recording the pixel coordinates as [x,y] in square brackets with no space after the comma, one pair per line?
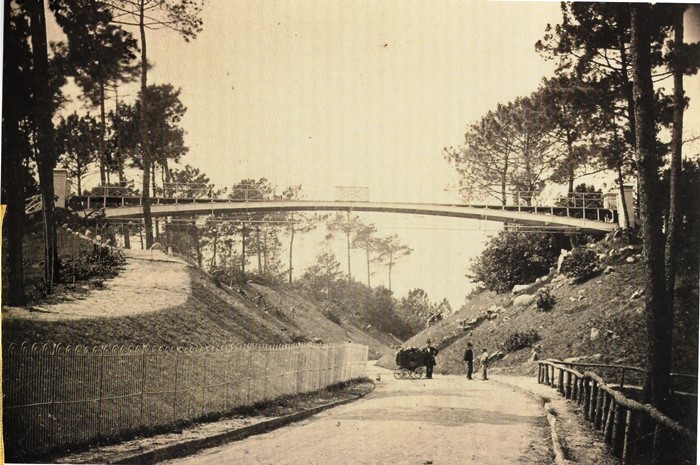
[616,446]
[203,353]
[560,386]
[177,360]
[609,418]
[627,441]
[250,374]
[143,382]
[266,378]
[599,407]
[99,397]
[586,385]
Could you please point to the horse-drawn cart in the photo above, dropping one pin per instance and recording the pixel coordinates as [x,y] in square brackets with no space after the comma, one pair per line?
[411,363]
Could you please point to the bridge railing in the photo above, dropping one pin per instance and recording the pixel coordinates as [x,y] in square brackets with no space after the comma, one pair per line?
[588,206]
[635,431]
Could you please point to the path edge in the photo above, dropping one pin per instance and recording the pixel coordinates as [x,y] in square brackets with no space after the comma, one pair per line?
[190,447]
[551,414]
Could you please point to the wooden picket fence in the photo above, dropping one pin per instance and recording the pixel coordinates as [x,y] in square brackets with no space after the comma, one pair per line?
[59,396]
[634,430]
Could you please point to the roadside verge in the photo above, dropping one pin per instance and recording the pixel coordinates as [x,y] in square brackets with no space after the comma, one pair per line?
[573,440]
[190,440]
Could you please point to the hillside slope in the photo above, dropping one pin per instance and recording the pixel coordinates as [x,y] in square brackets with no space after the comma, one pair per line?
[597,320]
[168,302]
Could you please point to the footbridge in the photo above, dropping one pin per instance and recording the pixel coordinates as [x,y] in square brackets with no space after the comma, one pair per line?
[580,219]
[573,213]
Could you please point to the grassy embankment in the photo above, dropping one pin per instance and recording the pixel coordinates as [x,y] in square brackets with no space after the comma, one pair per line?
[602,304]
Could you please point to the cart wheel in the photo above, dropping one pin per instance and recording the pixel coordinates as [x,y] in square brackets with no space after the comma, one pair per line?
[397,374]
[417,373]
[405,373]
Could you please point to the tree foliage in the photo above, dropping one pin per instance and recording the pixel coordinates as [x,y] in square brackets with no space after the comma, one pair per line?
[581,264]
[77,141]
[515,257]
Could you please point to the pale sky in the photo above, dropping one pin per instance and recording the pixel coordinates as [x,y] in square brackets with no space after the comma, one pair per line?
[357,93]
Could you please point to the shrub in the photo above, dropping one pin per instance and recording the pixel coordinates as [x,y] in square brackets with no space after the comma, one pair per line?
[333,316]
[545,299]
[102,262]
[521,339]
[580,264]
[299,339]
[515,257]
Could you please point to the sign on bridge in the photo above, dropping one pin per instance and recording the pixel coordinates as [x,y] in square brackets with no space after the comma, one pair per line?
[351,194]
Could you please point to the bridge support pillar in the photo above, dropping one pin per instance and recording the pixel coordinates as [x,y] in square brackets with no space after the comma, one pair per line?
[613,200]
[61,187]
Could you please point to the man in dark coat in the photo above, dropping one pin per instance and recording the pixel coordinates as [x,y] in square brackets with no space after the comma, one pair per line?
[469,360]
[430,353]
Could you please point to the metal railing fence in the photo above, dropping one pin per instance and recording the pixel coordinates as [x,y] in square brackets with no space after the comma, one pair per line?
[56,396]
[635,431]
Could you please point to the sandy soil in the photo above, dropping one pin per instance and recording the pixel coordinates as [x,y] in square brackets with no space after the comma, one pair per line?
[151,281]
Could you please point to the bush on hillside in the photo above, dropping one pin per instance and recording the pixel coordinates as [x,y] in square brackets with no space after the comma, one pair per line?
[515,257]
[521,339]
[333,316]
[102,262]
[545,300]
[580,264]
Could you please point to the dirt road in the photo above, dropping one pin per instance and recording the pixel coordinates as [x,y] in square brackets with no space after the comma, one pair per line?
[446,420]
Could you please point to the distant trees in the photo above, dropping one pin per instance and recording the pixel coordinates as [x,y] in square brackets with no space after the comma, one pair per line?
[166,139]
[512,148]
[353,300]
[298,223]
[389,250]
[101,55]
[77,140]
[182,17]
[416,308]
[346,224]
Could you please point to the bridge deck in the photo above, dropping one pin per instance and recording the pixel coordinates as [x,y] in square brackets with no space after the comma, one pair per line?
[571,218]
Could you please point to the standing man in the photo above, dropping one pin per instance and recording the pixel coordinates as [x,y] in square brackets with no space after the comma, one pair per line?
[430,353]
[484,360]
[469,360]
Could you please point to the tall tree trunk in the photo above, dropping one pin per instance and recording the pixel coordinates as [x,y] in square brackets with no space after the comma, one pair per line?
[570,161]
[197,245]
[243,258]
[673,222]
[46,159]
[258,249]
[347,237]
[153,187]
[266,268]
[391,265]
[623,199]
[146,157]
[122,177]
[504,182]
[13,177]
[127,238]
[216,240]
[368,270]
[659,318]
[291,249]
[101,142]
